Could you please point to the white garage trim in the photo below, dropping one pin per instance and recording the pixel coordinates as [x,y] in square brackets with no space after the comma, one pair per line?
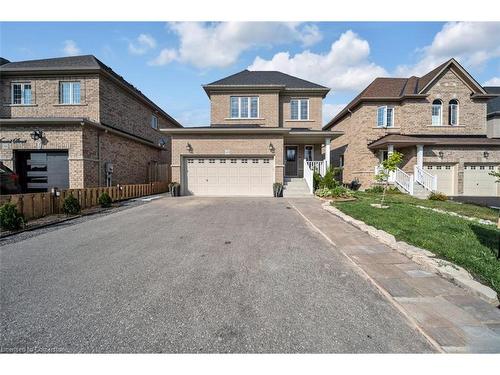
[229,175]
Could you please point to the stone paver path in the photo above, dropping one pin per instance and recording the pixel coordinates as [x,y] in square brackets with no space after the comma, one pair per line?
[446,314]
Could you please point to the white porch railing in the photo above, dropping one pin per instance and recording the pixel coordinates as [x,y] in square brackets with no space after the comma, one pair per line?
[399,177]
[319,166]
[425,179]
[308,176]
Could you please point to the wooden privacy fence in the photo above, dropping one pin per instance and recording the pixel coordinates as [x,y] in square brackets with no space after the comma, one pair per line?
[35,205]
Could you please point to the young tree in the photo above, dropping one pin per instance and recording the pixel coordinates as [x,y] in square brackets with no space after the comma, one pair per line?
[388,165]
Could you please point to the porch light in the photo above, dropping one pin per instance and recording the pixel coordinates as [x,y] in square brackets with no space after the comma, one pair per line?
[486,154]
[441,154]
[271,148]
[189,147]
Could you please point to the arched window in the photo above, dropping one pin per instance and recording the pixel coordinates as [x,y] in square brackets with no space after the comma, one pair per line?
[437,112]
[453,112]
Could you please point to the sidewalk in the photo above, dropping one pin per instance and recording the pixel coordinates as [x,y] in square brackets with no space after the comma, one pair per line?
[451,318]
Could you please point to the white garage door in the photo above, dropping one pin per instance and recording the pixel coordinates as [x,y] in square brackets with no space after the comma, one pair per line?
[478,182]
[445,177]
[229,176]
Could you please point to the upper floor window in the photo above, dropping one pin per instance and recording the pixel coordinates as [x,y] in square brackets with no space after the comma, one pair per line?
[453,112]
[385,117]
[437,111]
[69,92]
[299,109]
[244,107]
[154,122]
[21,93]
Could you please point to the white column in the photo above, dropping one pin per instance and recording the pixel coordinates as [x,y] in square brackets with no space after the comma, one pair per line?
[327,151]
[420,156]
[390,149]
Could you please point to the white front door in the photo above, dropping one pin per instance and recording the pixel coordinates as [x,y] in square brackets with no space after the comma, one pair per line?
[231,176]
[478,182]
[445,177]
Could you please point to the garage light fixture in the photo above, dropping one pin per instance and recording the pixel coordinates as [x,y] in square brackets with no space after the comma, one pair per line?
[486,154]
[271,148]
[36,134]
[189,147]
[441,154]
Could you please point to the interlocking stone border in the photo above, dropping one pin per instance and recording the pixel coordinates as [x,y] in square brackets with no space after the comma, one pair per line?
[451,213]
[425,258]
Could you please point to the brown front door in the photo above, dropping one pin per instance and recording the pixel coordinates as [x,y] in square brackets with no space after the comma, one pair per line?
[291,157]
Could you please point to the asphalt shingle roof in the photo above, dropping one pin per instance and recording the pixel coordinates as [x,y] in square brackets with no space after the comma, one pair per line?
[257,78]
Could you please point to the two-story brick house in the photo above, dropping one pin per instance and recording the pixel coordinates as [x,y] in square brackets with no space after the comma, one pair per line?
[265,127]
[438,121]
[73,122]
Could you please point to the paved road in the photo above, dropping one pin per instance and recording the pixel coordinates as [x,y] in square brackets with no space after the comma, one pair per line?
[192,275]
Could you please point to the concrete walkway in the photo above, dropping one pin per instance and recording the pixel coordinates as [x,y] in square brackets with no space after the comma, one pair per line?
[448,316]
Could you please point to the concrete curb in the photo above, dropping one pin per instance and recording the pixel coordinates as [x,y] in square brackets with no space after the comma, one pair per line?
[425,258]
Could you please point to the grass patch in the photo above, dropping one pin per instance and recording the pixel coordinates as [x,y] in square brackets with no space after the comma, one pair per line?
[468,244]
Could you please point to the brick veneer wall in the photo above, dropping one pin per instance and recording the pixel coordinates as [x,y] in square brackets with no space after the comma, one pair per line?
[410,117]
[45,97]
[218,144]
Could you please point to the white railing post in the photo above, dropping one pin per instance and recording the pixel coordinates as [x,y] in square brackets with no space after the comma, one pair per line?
[308,176]
[411,185]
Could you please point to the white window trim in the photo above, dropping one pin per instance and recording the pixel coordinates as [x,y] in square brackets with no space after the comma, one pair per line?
[154,124]
[249,99]
[71,98]
[441,114]
[299,110]
[458,113]
[23,83]
[385,125]
[312,146]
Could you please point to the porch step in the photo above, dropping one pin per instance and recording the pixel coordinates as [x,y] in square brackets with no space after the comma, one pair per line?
[295,187]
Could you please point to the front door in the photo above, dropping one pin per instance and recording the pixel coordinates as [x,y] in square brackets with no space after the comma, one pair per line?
[291,157]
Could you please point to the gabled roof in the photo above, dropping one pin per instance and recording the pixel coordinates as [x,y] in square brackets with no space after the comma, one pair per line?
[269,79]
[398,89]
[70,64]
[493,107]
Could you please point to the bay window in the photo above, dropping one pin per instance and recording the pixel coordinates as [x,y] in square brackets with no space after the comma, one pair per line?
[299,109]
[244,106]
[21,93]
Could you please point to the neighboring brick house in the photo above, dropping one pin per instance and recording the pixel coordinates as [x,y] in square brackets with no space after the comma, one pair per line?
[66,121]
[437,121]
[493,112]
[265,127]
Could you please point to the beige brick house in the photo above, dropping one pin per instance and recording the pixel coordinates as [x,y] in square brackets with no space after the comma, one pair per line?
[438,121]
[73,122]
[265,127]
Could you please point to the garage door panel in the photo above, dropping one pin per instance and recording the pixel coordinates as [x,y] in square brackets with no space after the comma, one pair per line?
[445,175]
[478,181]
[229,176]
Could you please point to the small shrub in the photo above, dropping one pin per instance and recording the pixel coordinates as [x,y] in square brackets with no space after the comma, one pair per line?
[336,192]
[71,206]
[10,218]
[437,196]
[376,189]
[316,180]
[322,192]
[328,181]
[105,200]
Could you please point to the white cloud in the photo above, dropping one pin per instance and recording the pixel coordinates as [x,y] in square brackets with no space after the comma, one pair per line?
[142,44]
[194,117]
[345,67]
[472,43]
[166,56]
[495,81]
[70,48]
[330,110]
[206,45]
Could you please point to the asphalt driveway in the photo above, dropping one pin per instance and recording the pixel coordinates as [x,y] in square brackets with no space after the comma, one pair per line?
[192,275]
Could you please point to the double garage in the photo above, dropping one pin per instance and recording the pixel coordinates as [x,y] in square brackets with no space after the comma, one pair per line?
[476,178]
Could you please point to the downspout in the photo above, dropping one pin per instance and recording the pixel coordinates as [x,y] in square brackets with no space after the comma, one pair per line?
[99,173]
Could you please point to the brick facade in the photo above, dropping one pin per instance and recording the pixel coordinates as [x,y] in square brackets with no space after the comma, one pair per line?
[412,117]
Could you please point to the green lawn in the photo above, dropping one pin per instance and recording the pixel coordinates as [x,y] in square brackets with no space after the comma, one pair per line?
[463,242]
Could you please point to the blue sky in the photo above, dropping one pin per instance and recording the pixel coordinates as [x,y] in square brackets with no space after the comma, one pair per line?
[170,61]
